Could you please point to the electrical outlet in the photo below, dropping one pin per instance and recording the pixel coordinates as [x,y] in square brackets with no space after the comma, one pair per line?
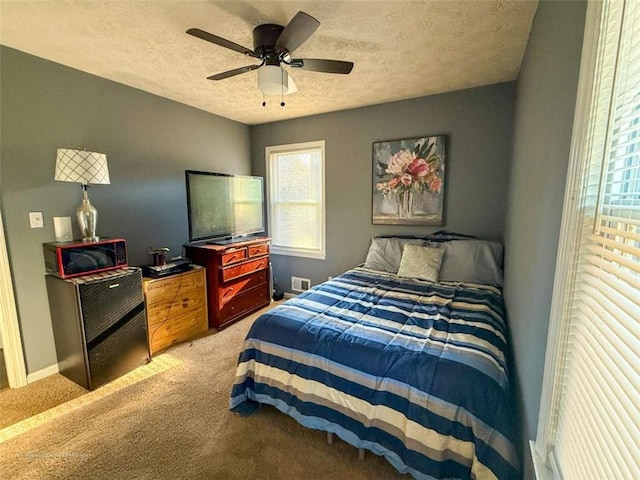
[36,219]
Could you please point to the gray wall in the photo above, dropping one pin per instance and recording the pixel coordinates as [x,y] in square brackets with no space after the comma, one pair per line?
[544,116]
[149,142]
[478,123]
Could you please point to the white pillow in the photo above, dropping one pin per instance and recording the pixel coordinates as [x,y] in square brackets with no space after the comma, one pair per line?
[385,253]
[476,261]
[421,262]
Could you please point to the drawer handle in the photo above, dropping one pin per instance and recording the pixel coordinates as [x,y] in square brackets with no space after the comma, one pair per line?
[114,285]
[227,291]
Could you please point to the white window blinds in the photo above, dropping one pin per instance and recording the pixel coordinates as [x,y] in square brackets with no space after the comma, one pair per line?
[296,199]
[593,429]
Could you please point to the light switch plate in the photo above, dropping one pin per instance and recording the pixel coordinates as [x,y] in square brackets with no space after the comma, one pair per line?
[36,219]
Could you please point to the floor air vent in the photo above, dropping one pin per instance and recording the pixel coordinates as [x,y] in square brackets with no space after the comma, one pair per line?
[300,284]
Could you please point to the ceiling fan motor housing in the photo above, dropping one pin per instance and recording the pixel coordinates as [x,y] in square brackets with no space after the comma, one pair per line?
[264,41]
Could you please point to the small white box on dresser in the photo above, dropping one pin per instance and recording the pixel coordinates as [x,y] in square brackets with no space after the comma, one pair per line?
[62,229]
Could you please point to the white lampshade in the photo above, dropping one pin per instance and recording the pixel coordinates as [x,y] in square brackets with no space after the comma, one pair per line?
[81,166]
[273,80]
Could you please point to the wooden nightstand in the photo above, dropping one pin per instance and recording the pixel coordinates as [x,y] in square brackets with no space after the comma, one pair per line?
[176,308]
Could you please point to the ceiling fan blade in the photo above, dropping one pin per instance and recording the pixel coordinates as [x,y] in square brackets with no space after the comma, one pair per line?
[234,72]
[299,29]
[223,42]
[321,65]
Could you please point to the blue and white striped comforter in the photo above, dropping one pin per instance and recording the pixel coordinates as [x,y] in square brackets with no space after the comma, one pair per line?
[408,369]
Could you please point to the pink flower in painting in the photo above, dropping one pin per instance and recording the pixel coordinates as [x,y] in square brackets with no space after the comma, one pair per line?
[400,161]
[393,182]
[435,185]
[418,167]
[410,171]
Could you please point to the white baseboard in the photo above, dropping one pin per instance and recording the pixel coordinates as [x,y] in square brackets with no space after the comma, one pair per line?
[290,295]
[43,373]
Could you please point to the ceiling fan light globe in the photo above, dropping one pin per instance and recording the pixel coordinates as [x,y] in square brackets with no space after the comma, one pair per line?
[273,80]
[293,88]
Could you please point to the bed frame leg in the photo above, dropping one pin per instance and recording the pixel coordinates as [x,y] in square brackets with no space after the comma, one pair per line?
[330,442]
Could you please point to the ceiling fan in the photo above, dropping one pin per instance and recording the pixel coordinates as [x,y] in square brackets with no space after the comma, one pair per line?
[273,45]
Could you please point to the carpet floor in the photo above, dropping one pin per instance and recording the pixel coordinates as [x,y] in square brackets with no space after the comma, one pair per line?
[170,420]
[21,403]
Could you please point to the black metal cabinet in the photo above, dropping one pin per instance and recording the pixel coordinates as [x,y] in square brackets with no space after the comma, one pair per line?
[99,325]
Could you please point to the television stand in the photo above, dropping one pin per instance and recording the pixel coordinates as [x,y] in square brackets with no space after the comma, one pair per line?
[238,277]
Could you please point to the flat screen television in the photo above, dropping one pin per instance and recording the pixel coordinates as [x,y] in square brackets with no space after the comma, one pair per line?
[222,208]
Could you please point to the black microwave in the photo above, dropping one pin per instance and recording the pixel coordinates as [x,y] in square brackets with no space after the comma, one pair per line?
[76,258]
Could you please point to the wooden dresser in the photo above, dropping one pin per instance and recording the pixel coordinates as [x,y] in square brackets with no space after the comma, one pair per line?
[238,278]
[176,308]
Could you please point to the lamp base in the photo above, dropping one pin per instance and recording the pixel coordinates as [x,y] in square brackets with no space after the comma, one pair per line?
[87,218]
[90,239]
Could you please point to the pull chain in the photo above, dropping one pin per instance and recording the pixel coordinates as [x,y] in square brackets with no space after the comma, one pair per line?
[282,85]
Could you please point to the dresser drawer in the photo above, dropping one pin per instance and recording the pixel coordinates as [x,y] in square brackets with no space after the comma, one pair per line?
[250,300]
[177,329]
[258,250]
[231,290]
[237,271]
[186,301]
[234,255]
[173,287]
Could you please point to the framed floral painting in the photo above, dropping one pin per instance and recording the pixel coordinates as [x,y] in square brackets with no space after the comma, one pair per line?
[408,181]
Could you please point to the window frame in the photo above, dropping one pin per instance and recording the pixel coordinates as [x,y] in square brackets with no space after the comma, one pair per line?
[566,258]
[575,212]
[319,254]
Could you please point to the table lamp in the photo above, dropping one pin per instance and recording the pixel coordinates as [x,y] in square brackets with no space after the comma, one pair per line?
[84,167]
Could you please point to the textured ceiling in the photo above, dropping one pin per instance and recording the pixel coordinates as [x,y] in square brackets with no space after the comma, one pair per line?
[401,49]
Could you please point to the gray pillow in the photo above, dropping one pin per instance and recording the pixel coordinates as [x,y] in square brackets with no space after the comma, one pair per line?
[385,253]
[477,261]
[421,262]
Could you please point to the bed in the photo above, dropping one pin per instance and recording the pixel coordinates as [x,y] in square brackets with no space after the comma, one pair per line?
[408,368]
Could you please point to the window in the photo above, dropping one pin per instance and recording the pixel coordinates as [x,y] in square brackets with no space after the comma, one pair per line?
[295,184]
[589,423]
